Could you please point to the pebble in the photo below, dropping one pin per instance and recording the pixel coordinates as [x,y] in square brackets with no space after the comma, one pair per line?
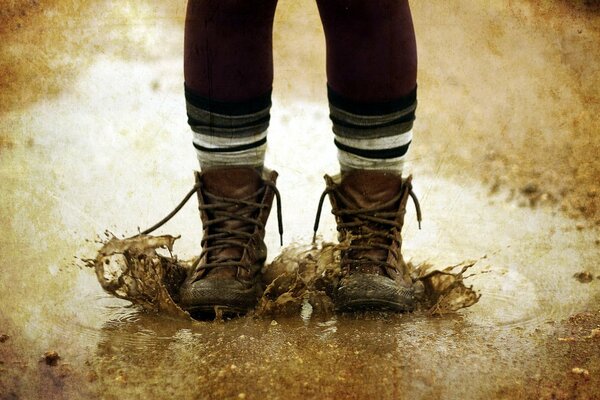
[4,338]
[584,277]
[530,188]
[566,339]
[581,371]
[51,358]
[273,323]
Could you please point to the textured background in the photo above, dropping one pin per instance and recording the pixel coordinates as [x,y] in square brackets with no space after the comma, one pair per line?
[93,137]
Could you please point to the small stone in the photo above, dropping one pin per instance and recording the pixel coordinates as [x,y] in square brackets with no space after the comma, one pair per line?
[581,371]
[530,188]
[579,226]
[566,339]
[4,338]
[584,277]
[242,396]
[51,358]
[274,323]
[595,334]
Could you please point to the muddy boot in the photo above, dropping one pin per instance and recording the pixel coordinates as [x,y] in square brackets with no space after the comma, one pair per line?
[234,205]
[369,207]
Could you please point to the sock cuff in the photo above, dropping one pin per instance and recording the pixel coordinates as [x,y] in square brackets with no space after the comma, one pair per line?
[215,119]
[229,108]
[368,121]
[371,108]
[372,135]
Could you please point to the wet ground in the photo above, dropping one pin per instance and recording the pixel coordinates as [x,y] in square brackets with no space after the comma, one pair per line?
[93,136]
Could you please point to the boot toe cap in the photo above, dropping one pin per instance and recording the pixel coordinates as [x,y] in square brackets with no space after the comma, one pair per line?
[373,292]
[229,294]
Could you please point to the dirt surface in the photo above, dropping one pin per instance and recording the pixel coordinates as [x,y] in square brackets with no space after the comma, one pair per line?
[93,136]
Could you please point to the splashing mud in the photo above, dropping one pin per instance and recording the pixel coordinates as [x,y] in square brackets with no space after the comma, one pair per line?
[131,269]
[302,277]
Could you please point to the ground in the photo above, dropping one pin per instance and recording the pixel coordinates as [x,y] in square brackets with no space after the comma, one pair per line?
[93,136]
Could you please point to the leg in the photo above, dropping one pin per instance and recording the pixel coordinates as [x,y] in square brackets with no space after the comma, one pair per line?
[228,70]
[371,72]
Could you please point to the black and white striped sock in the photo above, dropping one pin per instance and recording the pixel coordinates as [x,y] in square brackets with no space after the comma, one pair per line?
[229,133]
[372,135]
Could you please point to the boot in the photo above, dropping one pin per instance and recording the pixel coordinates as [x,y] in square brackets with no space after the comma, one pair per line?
[369,207]
[234,204]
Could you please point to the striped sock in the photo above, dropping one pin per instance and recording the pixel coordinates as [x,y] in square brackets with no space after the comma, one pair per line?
[229,133]
[372,136]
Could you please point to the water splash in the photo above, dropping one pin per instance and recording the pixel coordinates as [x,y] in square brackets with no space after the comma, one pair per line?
[301,277]
[131,269]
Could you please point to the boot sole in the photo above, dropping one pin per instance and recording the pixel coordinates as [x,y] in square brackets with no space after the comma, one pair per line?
[373,292]
[218,298]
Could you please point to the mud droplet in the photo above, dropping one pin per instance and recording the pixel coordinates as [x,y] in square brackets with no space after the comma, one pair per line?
[51,358]
[584,277]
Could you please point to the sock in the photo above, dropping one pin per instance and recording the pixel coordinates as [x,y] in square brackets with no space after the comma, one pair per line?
[372,136]
[229,133]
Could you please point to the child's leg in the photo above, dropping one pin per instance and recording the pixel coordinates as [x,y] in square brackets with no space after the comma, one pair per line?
[371,72]
[228,68]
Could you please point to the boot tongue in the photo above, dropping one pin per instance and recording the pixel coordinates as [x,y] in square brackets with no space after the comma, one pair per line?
[232,183]
[366,189]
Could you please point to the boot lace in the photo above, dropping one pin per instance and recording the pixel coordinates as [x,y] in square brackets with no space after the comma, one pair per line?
[368,228]
[220,209]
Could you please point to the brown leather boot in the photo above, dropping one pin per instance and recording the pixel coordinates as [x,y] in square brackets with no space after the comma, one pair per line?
[369,207]
[234,204]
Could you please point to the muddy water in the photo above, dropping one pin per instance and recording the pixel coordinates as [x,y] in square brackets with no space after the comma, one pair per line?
[77,164]
[300,280]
